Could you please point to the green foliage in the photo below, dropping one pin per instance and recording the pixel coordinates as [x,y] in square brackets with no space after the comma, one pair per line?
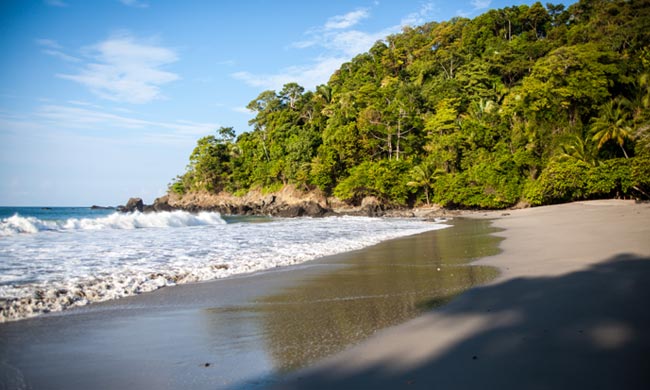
[640,175]
[385,179]
[493,182]
[177,186]
[561,181]
[567,180]
[525,102]
[612,178]
[423,176]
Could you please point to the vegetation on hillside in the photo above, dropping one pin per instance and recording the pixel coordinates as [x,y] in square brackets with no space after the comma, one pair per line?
[540,104]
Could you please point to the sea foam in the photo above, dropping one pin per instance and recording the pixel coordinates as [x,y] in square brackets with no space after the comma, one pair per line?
[74,262]
[136,220]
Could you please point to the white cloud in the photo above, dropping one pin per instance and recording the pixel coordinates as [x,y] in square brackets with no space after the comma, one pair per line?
[83,104]
[54,49]
[341,43]
[61,55]
[346,21]
[421,16]
[481,4]
[69,117]
[227,63]
[242,110]
[125,70]
[49,43]
[135,3]
[309,76]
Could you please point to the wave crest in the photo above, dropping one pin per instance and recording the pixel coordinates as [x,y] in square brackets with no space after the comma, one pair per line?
[20,225]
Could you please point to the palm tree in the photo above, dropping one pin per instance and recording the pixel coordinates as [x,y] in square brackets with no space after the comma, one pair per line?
[580,149]
[424,176]
[644,83]
[612,125]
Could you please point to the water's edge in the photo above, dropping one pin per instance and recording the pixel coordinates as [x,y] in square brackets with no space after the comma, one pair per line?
[245,331]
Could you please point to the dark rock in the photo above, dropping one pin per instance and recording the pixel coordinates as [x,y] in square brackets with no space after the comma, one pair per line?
[314,209]
[372,207]
[132,205]
[244,210]
[95,207]
[292,211]
[307,209]
[268,200]
[162,204]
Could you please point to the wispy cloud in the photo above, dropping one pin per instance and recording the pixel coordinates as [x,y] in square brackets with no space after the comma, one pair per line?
[420,16]
[481,4]
[135,3]
[49,43]
[54,49]
[346,21]
[126,70]
[56,3]
[242,110]
[340,41]
[61,55]
[227,63]
[83,104]
[70,117]
[309,75]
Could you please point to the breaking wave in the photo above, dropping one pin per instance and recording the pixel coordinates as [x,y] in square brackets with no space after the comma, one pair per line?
[20,225]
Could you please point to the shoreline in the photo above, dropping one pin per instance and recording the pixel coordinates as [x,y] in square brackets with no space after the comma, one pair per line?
[220,334]
[23,302]
[567,311]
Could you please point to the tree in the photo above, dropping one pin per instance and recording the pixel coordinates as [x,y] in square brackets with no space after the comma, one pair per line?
[424,176]
[613,124]
[580,149]
[461,112]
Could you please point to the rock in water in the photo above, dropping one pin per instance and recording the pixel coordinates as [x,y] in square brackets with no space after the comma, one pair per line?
[132,205]
[162,204]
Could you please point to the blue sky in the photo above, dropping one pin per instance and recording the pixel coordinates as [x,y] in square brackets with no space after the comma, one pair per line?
[103,100]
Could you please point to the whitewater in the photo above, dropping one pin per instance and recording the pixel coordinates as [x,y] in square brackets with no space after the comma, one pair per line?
[52,259]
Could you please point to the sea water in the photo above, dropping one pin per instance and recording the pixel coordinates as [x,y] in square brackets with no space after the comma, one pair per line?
[54,258]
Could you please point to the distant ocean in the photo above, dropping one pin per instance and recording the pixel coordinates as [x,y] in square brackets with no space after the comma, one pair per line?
[52,258]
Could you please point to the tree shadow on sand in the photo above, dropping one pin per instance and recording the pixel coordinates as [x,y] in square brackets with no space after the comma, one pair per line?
[588,329]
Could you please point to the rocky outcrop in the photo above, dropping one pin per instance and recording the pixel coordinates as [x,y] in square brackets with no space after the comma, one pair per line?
[162,204]
[95,207]
[134,204]
[287,203]
[307,209]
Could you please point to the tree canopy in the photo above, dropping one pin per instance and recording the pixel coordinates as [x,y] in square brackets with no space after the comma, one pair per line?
[536,103]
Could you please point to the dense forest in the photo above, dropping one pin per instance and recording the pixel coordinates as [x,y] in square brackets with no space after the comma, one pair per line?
[535,104]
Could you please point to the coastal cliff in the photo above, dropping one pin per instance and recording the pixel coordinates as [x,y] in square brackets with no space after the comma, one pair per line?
[288,202]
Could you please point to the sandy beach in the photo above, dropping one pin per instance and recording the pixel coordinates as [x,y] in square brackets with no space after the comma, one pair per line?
[244,332]
[569,310]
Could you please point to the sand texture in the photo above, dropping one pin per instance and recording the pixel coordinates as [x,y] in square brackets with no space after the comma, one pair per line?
[570,310]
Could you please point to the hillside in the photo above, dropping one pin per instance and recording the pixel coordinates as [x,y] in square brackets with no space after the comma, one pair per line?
[523,104]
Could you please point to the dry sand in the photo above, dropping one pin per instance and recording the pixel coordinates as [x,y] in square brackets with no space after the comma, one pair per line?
[570,310]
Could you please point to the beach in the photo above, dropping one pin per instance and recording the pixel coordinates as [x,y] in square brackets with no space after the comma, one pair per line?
[548,297]
[569,310]
[248,330]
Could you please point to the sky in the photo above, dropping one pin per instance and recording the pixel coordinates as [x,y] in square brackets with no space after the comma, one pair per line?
[104,100]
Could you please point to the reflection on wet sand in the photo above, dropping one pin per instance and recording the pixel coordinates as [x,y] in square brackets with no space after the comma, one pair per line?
[380,286]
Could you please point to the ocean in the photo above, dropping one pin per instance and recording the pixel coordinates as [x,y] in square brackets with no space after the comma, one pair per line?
[58,257]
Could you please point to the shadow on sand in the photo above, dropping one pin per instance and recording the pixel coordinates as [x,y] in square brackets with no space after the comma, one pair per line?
[585,330]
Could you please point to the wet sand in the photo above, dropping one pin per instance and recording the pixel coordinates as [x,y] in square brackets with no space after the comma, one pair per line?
[244,332]
[569,311]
